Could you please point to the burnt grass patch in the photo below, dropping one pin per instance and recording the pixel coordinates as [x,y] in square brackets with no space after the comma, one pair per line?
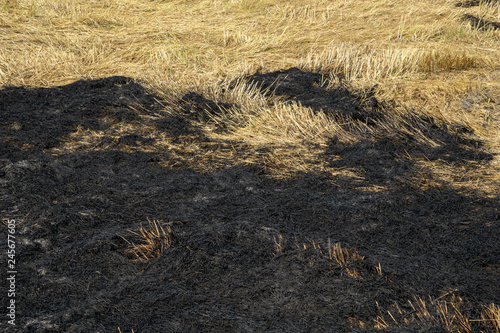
[472,3]
[480,23]
[247,252]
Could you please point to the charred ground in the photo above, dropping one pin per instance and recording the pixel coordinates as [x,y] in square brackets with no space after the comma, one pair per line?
[84,163]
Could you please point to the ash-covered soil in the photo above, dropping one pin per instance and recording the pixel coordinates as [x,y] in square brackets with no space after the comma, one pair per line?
[249,250]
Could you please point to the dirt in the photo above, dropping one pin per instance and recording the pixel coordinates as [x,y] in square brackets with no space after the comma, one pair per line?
[249,251]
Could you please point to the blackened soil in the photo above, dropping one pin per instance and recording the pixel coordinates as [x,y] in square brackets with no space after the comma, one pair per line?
[244,255]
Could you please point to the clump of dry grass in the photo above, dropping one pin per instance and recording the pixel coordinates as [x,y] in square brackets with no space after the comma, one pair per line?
[342,255]
[152,241]
[291,123]
[453,314]
[436,311]
[491,317]
[337,253]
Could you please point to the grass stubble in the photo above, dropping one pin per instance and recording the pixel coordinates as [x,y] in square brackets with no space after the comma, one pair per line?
[422,55]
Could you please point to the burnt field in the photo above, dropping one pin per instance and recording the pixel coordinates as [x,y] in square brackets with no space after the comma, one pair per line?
[137,212]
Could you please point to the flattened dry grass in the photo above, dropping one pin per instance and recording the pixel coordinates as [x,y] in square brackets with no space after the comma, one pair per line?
[421,55]
[353,62]
[49,42]
[177,46]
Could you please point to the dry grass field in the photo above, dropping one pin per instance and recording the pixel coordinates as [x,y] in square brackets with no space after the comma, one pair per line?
[252,165]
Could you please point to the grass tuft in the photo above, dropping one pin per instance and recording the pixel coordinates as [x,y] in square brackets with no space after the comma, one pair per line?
[449,312]
[342,255]
[491,317]
[152,241]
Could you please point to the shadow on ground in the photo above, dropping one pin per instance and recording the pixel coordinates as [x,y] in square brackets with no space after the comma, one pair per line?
[244,256]
[472,3]
[311,90]
[481,24]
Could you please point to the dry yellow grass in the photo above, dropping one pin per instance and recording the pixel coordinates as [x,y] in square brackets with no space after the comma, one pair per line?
[337,253]
[420,54]
[491,316]
[448,313]
[49,42]
[152,241]
[333,251]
